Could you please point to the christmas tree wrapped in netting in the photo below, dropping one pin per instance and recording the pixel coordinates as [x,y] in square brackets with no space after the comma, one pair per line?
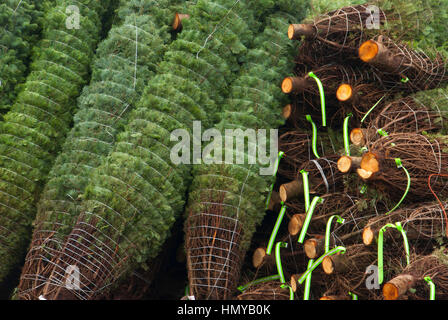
[19,32]
[125,61]
[136,194]
[226,200]
[34,128]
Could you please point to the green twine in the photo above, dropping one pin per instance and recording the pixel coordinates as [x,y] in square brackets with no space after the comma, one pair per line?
[383,133]
[274,232]
[354,296]
[371,109]
[257,281]
[307,289]
[277,163]
[309,214]
[432,288]
[319,261]
[322,97]
[346,135]
[328,229]
[363,189]
[397,226]
[400,165]
[306,189]
[314,137]
[278,260]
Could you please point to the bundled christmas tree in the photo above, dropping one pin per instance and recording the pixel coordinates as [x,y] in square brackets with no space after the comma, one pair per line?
[34,128]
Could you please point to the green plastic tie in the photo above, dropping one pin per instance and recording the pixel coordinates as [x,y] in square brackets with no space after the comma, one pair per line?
[276,227]
[291,292]
[328,230]
[363,189]
[383,133]
[354,296]
[408,186]
[314,137]
[308,217]
[257,281]
[306,189]
[322,97]
[371,109]
[307,289]
[277,163]
[346,135]
[432,288]
[380,247]
[319,261]
[278,260]
[404,80]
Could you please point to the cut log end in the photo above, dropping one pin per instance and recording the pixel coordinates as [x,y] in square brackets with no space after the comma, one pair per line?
[177,23]
[294,281]
[370,162]
[365,175]
[295,224]
[398,286]
[290,190]
[357,137]
[258,257]
[295,31]
[344,92]
[367,236]
[346,163]
[368,51]
[312,248]
[327,265]
[287,85]
[287,110]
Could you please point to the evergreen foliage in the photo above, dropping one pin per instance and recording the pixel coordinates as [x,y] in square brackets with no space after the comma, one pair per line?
[19,31]
[125,61]
[38,121]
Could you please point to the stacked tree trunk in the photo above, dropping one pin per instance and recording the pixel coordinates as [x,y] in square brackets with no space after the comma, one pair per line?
[395,98]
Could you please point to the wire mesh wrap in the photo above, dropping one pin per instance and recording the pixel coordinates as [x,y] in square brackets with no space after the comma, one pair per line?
[19,33]
[407,115]
[422,222]
[343,30]
[213,248]
[271,290]
[134,197]
[239,190]
[124,63]
[397,58]
[435,266]
[420,155]
[33,129]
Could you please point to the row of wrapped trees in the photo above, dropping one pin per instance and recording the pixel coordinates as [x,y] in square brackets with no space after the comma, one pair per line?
[34,128]
[125,62]
[226,201]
